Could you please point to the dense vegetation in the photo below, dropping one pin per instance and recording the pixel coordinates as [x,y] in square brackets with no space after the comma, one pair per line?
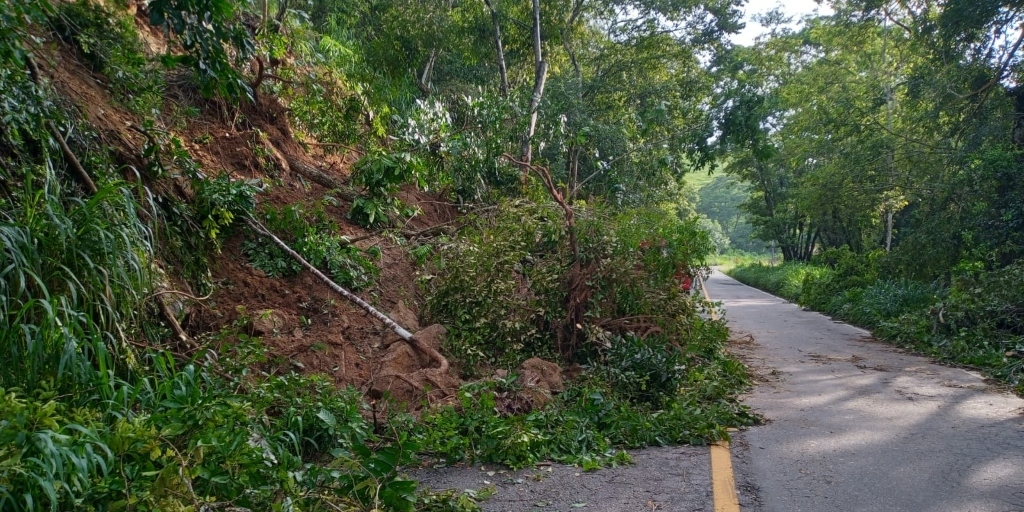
[564,130]
[883,146]
[881,143]
[972,321]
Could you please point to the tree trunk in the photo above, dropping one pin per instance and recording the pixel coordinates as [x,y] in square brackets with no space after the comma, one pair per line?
[502,68]
[423,81]
[321,179]
[539,79]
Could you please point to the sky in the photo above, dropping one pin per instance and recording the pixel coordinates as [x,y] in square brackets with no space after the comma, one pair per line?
[793,8]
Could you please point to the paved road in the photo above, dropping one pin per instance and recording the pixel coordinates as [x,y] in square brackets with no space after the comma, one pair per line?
[855,425]
[671,479]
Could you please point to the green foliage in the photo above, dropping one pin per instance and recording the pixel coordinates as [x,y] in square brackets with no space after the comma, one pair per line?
[193,229]
[719,199]
[323,101]
[973,321]
[49,453]
[213,38]
[734,258]
[590,422]
[642,370]
[219,201]
[502,288]
[381,174]
[111,45]
[77,275]
[784,280]
[15,21]
[183,437]
[315,236]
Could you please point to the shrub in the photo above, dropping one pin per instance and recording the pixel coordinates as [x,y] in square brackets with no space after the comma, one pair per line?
[645,371]
[213,39]
[315,237]
[503,288]
[381,174]
[784,280]
[110,45]
[589,423]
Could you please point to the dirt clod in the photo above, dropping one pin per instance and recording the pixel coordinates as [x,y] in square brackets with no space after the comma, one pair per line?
[408,375]
[540,380]
[268,322]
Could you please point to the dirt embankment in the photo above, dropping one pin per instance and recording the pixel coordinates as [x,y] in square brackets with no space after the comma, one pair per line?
[305,325]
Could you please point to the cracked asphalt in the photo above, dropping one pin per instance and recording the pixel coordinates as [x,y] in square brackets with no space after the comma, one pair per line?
[857,425]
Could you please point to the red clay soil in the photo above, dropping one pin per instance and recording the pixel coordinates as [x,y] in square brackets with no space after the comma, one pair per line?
[305,326]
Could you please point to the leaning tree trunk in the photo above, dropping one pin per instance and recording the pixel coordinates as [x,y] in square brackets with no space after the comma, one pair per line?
[539,79]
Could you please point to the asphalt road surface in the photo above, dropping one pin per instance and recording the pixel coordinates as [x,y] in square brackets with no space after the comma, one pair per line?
[672,479]
[856,425]
[851,425]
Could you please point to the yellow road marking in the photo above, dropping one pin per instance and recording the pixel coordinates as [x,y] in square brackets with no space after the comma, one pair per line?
[707,297]
[723,482]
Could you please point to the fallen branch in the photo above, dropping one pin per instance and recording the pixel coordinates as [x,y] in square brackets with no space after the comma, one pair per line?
[37,77]
[398,329]
[172,320]
[72,159]
[336,145]
[320,178]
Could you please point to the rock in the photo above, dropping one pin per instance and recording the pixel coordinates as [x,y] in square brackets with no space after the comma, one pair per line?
[432,336]
[405,317]
[538,373]
[414,367]
[267,322]
[402,358]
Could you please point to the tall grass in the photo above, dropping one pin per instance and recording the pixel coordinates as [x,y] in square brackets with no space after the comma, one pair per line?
[784,280]
[974,320]
[736,258]
[75,273]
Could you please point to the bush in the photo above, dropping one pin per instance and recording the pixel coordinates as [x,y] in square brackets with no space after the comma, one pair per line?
[885,300]
[503,288]
[213,39]
[588,424]
[786,280]
[644,371]
[312,234]
[381,174]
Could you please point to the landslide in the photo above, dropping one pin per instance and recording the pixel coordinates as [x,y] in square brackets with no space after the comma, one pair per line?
[303,324]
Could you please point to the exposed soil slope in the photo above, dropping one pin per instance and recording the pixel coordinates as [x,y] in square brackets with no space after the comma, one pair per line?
[305,325]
